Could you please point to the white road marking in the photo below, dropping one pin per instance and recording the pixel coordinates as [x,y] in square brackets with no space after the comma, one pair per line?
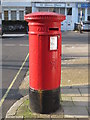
[14,35]
[23,45]
[13,45]
[9,88]
[9,45]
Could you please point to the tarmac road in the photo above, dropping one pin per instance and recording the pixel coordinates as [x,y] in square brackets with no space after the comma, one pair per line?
[72,37]
[14,52]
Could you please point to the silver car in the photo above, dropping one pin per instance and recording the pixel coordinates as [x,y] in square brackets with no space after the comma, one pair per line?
[86,26]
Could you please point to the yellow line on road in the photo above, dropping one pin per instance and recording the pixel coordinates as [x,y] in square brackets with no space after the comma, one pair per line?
[3,98]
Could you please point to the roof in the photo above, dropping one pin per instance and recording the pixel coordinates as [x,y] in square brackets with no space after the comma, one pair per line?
[60,1]
[27,3]
[44,1]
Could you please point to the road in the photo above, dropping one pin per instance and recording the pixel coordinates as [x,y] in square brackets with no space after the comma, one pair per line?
[14,52]
[72,37]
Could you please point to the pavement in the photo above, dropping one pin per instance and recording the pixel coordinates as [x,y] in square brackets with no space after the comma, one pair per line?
[74,68]
[74,88]
[74,104]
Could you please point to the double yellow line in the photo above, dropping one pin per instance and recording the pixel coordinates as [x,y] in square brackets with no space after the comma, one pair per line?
[9,88]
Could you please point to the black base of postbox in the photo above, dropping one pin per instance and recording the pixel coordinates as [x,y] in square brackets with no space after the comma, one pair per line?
[44,102]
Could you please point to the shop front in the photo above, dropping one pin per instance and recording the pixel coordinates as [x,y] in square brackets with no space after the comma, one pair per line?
[83,11]
[61,8]
[74,11]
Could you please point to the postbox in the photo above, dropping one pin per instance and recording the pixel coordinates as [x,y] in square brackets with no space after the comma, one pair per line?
[44,60]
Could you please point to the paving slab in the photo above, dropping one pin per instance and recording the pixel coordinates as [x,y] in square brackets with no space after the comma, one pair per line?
[14,117]
[37,119]
[58,114]
[80,101]
[41,116]
[63,119]
[81,86]
[83,118]
[75,112]
[12,111]
[66,98]
[84,91]
[88,108]
[67,101]
[70,92]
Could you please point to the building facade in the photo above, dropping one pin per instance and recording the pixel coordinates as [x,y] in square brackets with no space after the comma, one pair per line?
[0,13]
[73,9]
[15,10]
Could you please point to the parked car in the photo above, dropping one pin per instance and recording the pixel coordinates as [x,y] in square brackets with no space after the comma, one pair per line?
[82,26]
[86,26]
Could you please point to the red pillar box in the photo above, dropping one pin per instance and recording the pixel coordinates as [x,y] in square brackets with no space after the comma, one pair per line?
[44,60]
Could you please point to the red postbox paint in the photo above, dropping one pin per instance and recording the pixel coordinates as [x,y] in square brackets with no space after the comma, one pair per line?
[44,60]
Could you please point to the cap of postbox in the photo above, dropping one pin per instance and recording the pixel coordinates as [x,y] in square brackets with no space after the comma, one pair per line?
[44,16]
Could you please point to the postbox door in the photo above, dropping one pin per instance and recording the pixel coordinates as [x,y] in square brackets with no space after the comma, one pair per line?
[49,61]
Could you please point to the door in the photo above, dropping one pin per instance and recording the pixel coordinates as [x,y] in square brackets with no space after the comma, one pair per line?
[69,22]
[63,24]
[69,19]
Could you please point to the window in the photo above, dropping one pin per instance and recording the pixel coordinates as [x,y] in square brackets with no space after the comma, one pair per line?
[0,15]
[5,15]
[69,11]
[79,14]
[13,15]
[28,10]
[88,18]
[62,11]
[43,9]
[88,13]
[56,10]
[21,15]
[51,9]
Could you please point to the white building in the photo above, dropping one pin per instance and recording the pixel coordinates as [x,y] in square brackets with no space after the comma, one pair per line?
[0,13]
[15,10]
